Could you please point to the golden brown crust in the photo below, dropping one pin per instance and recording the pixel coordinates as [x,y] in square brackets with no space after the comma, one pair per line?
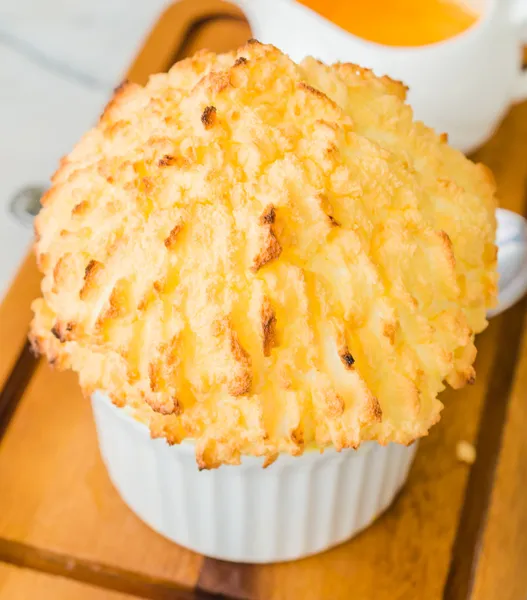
[264,257]
[327,209]
[270,248]
[347,358]
[268,216]
[63,331]
[389,330]
[124,89]
[81,208]
[240,379]
[170,241]
[268,326]
[334,405]
[208,117]
[357,74]
[448,249]
[91,273]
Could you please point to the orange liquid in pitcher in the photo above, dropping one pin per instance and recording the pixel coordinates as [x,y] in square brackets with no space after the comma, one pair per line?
[397,22]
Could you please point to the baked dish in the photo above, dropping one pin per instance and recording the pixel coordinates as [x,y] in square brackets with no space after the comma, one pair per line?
[265,257]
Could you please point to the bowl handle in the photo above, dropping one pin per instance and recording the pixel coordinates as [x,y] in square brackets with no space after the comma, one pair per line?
[511,240]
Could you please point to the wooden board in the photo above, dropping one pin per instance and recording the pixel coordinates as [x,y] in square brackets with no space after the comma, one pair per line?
[21,584]
[15,314]
[504,541]
[454,532]
[57,496]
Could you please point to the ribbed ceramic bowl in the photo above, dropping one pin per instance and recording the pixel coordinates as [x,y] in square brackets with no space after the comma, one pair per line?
[296,507]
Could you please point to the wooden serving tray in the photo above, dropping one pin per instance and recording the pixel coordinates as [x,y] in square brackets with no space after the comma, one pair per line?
[455,531]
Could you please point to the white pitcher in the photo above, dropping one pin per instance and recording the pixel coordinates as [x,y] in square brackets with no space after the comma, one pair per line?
[463,86]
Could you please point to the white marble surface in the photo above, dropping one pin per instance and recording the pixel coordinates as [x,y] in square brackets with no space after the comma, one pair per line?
[59,61]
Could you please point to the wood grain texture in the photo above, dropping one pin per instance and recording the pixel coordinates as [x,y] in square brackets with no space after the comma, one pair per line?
[220,34]
[56,493]
[407,553]
[182,29]
[21,584]
[179,28]
[15,315]
[501,571]
[15,385]
[49,504]
[474,515]
[59,513]
[96,574]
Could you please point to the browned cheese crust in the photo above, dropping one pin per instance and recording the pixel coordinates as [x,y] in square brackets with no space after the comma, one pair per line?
[264,257]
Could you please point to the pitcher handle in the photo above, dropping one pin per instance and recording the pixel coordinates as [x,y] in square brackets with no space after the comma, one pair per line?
[511,239]
[519,18]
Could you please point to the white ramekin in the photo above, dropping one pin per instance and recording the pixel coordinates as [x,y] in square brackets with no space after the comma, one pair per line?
[295,507]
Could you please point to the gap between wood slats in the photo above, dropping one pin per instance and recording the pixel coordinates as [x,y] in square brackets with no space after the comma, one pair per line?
[15,386]
[97,574]
[194,30]
[471,525]
[26,556]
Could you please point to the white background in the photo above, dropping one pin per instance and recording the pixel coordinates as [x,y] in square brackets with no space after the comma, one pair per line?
[59,61]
